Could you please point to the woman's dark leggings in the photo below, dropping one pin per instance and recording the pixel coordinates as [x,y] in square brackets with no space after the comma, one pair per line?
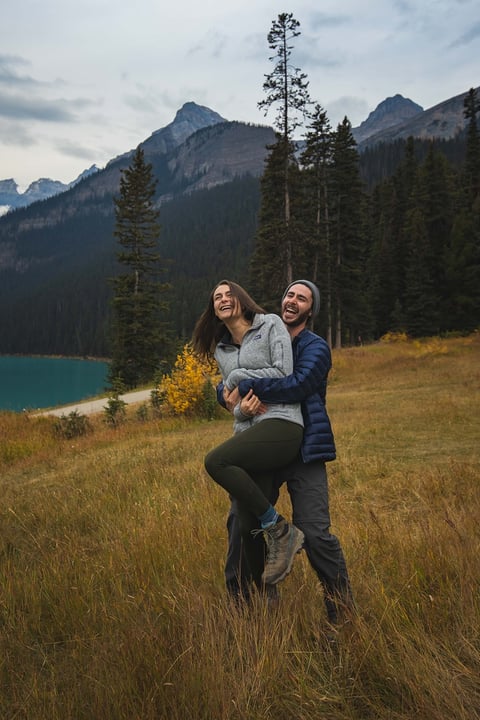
[243,463]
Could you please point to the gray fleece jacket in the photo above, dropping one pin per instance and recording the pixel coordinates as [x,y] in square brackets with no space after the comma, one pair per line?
[265,352]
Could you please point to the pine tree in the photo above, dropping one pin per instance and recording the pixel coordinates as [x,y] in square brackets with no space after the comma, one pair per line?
[138,341]
[462,257]
[287,87]
[472,160]
[462,271]
[316,160]
[434,198]
[392,204]
[348,254]
[382,290]
[421,300]
[268,262]
[404,182]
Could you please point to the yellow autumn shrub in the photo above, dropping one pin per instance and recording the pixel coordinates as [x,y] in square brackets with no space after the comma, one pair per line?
[188,388]
[431,346]
[394,337]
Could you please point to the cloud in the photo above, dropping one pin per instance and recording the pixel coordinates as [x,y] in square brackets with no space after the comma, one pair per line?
[217,43]
[349,106]
[211,45]
[9,75]
[309,55]
[317,20]
[470,36]
[144,99]
[28,108]
[20,97]
[15,134]
[73,149]
[255,46]
[404,7]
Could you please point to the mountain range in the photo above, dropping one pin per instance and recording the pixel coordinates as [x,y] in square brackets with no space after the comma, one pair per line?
[442,122]
[40,189]
[394,118]
[56,256]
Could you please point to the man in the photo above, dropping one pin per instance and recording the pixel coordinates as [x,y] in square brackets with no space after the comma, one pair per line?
[306,477]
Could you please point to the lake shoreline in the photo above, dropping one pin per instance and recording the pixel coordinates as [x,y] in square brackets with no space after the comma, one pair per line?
[92,406]
[91,358]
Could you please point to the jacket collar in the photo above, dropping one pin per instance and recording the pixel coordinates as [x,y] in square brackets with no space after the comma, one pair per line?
[258,321]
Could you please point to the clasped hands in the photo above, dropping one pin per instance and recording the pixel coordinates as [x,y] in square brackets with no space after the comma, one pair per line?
[250,405]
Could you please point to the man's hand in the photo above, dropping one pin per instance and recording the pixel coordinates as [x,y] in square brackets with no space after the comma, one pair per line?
[250,405]
[231,397]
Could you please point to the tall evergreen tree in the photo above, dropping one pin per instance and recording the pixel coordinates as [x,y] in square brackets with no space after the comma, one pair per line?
[138,340]
[404,182]
[268,260]
[316,160]
[348,254]
[435,200]
[472,160]
[286,87]
[391,206]
[462,271]
[462,257]
[421,300]
[382,291]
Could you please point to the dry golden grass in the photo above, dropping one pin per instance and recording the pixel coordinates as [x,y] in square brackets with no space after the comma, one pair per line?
[112,545]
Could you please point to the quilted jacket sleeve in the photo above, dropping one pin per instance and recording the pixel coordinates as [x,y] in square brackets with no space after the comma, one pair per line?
[312,360]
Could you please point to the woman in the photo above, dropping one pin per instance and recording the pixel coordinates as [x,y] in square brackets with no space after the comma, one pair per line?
[248,343]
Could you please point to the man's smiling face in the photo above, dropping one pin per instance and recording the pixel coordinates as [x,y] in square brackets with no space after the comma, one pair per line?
[297,306]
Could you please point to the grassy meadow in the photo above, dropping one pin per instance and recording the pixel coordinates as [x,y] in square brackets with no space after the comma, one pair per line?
[112,603]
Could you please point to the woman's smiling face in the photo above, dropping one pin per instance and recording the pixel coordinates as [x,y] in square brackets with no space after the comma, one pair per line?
[225,305]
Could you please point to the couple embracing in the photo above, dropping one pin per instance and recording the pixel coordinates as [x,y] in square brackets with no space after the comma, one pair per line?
[274,380]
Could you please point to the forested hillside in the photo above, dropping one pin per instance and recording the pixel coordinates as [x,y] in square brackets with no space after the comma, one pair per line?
[59,303]
[379,162]
[414,262]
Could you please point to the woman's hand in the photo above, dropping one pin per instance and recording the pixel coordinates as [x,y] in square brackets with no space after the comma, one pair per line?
[250,405]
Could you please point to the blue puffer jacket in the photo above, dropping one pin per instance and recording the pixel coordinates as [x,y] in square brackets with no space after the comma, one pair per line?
[308,385]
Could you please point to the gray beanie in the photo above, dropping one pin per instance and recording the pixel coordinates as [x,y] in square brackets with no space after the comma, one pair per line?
[315,294]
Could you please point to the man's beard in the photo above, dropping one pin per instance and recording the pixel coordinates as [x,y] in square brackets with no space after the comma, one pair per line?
[300,319]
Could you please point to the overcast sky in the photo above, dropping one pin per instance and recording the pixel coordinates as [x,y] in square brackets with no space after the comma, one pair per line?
[82,81]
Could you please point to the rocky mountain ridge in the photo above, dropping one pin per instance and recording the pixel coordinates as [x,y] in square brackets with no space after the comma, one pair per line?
[389,113]
[395,117]
[188,119]
[442,121]
[40,189]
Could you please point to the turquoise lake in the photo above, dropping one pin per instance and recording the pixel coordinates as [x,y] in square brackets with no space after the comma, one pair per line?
[38,382]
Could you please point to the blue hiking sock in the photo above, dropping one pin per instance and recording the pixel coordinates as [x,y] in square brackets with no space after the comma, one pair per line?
[268,518]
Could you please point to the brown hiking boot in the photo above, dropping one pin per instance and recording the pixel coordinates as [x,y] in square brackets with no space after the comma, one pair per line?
[283,541]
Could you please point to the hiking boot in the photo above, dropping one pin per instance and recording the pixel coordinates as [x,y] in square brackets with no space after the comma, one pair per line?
[283,542]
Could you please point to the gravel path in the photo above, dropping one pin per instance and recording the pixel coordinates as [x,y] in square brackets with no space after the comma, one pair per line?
[90,407]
